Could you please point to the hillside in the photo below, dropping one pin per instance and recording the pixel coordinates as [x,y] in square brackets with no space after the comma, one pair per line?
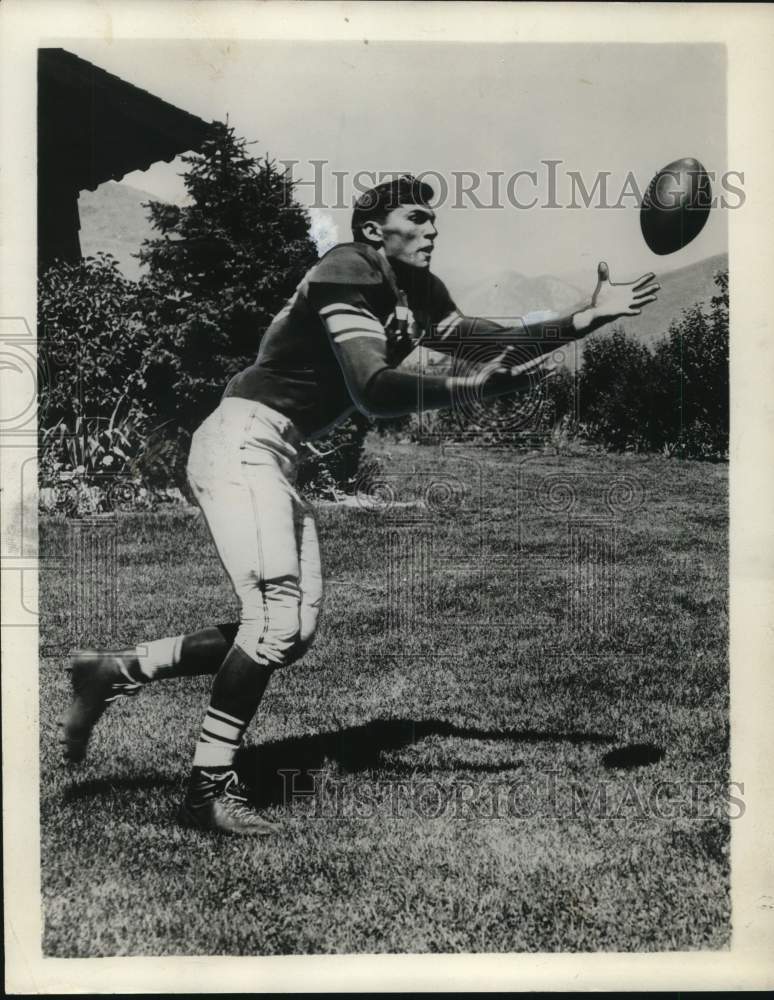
[114,221]
[511,294]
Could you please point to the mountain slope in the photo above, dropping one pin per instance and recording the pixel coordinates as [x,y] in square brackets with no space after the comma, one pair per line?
[511,294]
[113,220]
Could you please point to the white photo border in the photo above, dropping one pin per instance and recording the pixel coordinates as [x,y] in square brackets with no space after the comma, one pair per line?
[748,33]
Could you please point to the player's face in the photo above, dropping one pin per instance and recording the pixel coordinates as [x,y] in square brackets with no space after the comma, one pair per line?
[408,233]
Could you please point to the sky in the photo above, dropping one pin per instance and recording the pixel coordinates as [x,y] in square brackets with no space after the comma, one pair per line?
[447,108]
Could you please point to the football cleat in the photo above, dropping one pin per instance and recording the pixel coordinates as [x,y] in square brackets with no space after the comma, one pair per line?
[218,802]
[97,680]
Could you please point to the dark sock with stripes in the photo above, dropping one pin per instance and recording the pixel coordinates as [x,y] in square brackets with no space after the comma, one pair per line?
[236,694]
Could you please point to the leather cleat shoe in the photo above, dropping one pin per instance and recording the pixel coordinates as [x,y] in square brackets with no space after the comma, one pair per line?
[218,802]
[97,680]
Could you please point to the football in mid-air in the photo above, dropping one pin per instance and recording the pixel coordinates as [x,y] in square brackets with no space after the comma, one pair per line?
[676,206]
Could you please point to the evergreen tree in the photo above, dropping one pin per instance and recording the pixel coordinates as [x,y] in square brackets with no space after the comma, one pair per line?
[219,270]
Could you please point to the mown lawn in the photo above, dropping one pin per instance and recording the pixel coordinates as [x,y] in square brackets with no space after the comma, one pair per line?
[515,715]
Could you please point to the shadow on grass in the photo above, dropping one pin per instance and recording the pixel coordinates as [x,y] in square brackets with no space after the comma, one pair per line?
[93,787]
[635,755]
[361,748]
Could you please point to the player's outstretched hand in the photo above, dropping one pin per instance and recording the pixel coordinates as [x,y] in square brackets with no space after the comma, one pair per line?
[495,371]
[611,301]
[508,372]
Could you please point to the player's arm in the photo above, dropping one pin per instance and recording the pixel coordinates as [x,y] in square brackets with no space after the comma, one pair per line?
[359,343]
[463,336]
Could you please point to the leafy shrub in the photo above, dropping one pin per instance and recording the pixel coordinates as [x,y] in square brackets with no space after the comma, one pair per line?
[616,391]
[692,373]
[674,399]
[332,465]
[93,343]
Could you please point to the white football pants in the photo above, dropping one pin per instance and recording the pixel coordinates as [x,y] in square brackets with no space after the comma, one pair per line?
[242,469]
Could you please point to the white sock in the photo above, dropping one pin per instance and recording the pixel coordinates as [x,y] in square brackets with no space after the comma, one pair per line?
[219,740]
[159,658]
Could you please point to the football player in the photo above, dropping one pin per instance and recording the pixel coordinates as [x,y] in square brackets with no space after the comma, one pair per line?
[335,347]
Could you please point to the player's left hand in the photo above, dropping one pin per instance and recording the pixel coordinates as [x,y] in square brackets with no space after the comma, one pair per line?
[611,301]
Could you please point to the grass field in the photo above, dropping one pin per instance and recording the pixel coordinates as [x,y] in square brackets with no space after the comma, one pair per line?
[516,712]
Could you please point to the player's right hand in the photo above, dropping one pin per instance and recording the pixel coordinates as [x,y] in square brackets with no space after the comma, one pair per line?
[506,373]
[497,371]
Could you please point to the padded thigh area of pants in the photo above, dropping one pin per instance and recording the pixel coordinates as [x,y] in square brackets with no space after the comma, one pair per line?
[264,533]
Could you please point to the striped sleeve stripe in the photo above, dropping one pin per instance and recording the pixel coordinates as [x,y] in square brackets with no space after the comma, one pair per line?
[342,338]
[446,326]
[346,309]
[341,324]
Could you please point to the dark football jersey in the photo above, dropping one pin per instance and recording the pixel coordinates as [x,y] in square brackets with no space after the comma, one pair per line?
[352,316]
[339,341]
